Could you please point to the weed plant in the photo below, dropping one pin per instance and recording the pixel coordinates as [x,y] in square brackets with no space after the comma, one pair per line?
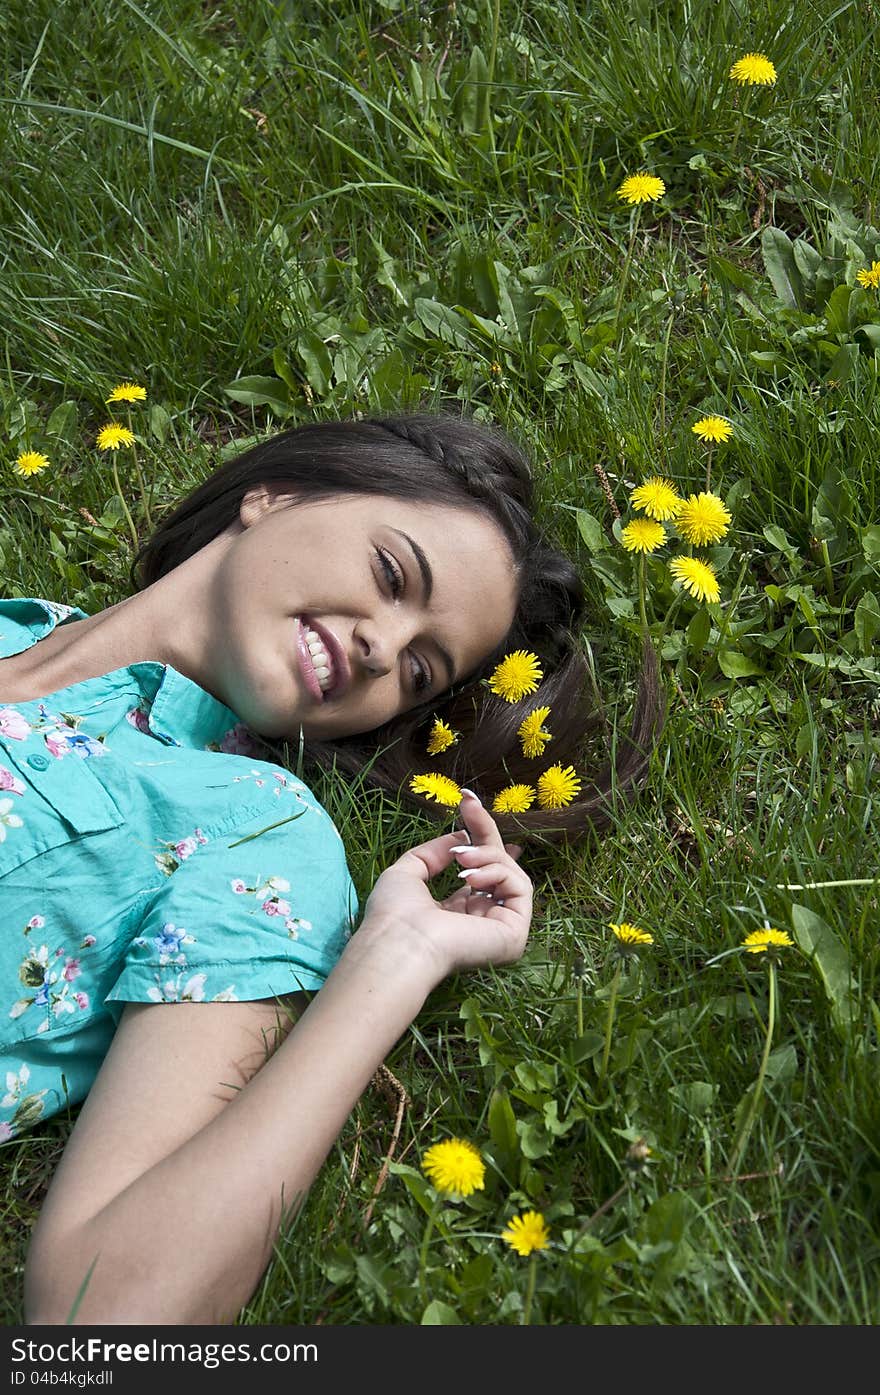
[268,213]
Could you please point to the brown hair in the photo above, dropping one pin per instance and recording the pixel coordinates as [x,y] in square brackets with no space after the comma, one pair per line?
[457,464]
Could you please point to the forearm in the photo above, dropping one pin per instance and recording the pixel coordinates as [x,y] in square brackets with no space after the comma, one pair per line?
[189,1239]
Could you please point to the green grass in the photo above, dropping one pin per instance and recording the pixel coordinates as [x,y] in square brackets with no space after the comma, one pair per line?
[353,209]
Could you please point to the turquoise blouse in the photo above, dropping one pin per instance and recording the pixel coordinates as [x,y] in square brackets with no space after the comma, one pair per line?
[147,855]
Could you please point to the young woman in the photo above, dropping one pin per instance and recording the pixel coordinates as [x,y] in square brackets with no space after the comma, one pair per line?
[172,896]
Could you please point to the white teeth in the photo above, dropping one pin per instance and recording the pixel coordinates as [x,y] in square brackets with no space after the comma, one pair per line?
[320,659]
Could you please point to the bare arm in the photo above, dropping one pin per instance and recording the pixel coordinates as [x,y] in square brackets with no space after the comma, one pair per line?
[173,1182]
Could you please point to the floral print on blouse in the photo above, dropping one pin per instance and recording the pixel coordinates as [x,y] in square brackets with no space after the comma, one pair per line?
[148,854]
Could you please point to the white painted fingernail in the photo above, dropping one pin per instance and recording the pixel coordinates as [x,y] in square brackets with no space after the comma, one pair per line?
[470,872]
[463,847]
[471,793]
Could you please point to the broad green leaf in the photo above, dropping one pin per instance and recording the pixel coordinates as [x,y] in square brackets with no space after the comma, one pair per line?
[439,1314]
[697,1097]
[779,539]
[474,108]
[782,1063]
[807,260]
[444,323]
[871,333]
[866,621]
[502,1128]
[779,262]
[698,630]
[842,365]
[735,665]
[871,542]
[254,391]
[62,422]
[316,360]
[591,531]
[837,310]
[830,957]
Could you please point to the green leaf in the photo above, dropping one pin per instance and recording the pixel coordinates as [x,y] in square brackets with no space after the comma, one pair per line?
[871,542]
[871,333]
[780,265]
[591,531]
[439,1314]
[698,630]
[829,955]
[443,323]
[841,366]
[837,310]
[502,1129]
[62,422]
[735,665]
[254,391]
[866,621]
[779,539]
[782,1063]
[474,110]
[160,422]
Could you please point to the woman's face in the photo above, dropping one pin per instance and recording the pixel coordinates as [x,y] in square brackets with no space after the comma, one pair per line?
[338,615]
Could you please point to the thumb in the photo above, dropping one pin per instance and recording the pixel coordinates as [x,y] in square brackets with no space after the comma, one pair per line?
[514,850]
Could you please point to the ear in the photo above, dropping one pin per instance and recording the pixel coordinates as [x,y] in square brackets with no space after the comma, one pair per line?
[260,500]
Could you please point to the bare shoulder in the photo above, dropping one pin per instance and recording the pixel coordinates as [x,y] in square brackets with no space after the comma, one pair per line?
[171,1068]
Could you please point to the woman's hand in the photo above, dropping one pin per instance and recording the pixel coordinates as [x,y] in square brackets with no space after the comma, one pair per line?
[467,929]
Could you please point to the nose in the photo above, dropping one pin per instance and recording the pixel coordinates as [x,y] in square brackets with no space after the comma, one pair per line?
[379,646]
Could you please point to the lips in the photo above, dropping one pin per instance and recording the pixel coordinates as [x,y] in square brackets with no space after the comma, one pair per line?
[340,667]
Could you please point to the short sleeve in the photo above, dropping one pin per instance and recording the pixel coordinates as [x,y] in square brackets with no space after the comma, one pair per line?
[256,911]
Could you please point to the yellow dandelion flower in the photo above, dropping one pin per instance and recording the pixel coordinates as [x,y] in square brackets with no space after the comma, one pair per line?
[713,429]
[127,392]
[759,941]
[455,1167]
[532,734]
[514,800]
[438,787]
[657,498]
[869,277]
[441,737]
[516,676]
[30,462]
[631,935]
[698,578]
[558,787]
[755,69]
[703,518]
[112,436]
[527,1233]
[643,535]
[641,188]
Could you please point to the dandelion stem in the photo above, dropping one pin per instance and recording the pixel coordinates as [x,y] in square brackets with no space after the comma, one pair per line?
[643,586]
[143,488]
[708,469]
[580,1006]
[663,365]
[530,1292]
[627,263]
[829,576]
[125,508]
[612,1003]
[423,1253]
[743,1138]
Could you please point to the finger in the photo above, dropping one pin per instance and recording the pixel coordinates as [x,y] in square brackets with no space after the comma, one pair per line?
[476,818]
[504,880]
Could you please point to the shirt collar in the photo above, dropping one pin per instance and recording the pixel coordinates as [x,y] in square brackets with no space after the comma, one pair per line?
[180,712]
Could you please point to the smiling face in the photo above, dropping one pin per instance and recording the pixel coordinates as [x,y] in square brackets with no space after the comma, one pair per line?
[340,614]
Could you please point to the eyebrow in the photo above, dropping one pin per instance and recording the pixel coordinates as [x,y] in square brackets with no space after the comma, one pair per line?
[427,589]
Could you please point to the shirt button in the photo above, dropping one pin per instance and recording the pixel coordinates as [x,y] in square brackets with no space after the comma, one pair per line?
[37,762]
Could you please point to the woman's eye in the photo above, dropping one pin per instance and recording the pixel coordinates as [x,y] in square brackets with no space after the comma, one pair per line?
[392,573]
[421,678]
